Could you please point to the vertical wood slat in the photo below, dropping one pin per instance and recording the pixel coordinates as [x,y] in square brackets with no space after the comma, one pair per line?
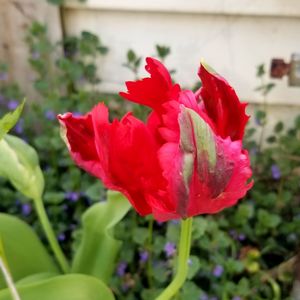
[15,18]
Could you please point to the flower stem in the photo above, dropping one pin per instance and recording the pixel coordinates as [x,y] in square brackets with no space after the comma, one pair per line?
[183,256]
[58,253]
[9,280]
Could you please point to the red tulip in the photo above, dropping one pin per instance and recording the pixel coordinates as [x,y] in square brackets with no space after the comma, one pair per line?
[186,160]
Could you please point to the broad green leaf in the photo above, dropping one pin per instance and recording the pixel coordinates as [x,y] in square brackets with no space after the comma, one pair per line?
[64,287]
[24,253]
[98,249]
[20,165]
[8,121]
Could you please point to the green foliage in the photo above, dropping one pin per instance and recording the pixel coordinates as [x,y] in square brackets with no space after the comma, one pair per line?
[19,164]
[257,235]
[24,253]
[98,250]
[60,2]
[8,121]
[162,51]
[64,287]
[133,62]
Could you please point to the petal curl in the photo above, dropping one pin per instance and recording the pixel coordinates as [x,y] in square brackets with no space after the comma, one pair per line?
[78,134]
[205,173]
[152,91]
[222,105]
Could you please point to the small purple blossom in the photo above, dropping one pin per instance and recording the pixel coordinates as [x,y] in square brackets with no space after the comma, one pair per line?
[253,151]
[19,127]
[50,115]
[26,209]
[12,104]
[276,174]
[61,237]
[242,237]
[35,55]
[203,297]
[3,76]
[72,196]
[218,271]
[144,255]
[170,249]
[121,269]
[233,234]
[175,222]
[77,114]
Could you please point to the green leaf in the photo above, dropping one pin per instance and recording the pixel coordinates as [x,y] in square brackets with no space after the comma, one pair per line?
[260,70]
[64,287]
[19,164]
[98,250]
[56,2]
[194,266]
[131,56]
[24,253]
[10,119]
[140,235]
[279,127]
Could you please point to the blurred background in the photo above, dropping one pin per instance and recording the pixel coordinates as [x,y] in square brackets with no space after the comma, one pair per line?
[68,55]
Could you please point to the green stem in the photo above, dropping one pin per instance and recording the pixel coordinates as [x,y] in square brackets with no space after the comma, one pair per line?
[183,256]
[9,281]
[149,248]
[275,287]
[60,257]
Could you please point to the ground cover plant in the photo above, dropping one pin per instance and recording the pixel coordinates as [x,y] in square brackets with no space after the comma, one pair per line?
[244,252]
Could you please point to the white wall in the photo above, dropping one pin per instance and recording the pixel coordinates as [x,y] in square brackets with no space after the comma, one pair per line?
[233,36]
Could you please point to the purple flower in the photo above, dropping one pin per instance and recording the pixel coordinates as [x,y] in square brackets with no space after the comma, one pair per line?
[276,174]
[3,76]
[26,209]
[170,249]
[50,115]
[72,196]
[236,298]
[61,237]
[35,55]
[144,255]
[218,271]
[175,222]
[12,104]
[203,297]
[121,269]
[77,114]
[253,151]
[242,237]
[233,233]
[19,126]
[159,223]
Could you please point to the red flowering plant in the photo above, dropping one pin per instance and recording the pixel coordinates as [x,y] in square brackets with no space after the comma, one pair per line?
[186,159]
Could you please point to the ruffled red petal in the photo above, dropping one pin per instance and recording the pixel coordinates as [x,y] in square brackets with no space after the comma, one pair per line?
[222,105]
[154,90]
[78,133]
[205,173]
[123,153]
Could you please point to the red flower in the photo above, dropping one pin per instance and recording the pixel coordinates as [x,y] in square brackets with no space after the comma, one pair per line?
[186,160]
